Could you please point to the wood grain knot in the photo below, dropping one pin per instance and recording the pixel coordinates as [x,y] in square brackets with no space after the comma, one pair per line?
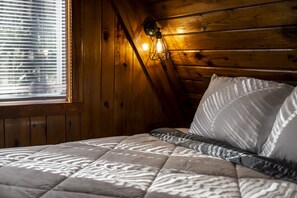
[105,35]
[203,27]
[199,56]
[292,58]
[106,104]
[209,63]
[290,33]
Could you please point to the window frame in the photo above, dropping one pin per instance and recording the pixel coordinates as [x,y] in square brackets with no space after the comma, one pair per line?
[69,86]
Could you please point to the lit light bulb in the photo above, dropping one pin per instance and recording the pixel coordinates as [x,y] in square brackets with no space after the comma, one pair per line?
[145,47]
[159,46]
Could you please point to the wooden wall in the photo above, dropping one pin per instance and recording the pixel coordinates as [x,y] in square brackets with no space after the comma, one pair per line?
[26,125]
[117,97]
[255,38]
[111,95]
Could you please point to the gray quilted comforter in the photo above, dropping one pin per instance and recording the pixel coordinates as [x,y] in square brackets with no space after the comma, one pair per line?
[134,166]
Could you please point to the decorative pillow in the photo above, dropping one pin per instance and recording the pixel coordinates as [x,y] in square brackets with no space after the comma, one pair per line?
[282,141]
[240,111]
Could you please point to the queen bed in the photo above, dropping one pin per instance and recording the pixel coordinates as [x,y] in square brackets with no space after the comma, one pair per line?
[241,143]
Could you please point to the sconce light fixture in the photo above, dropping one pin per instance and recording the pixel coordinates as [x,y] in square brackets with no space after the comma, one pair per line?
[158,49]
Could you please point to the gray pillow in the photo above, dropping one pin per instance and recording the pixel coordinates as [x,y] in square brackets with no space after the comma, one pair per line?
[240,111]
[282,141]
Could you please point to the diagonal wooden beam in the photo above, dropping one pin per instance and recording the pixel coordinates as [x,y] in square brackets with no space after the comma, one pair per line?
[162,77]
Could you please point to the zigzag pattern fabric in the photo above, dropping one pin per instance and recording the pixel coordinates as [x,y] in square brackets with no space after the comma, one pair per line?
[281,143]
[239,111]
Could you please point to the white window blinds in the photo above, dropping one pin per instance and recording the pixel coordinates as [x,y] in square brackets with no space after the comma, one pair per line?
[33,50]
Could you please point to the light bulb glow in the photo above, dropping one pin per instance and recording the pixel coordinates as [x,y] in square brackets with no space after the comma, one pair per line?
[145,46]
[159,46]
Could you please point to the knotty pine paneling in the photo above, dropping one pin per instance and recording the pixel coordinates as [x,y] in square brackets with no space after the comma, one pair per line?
[90,67]
[196,79]
[195,98]
[144,96]
[255,38]
[267,15]
[18,110]
[162,76]
[108,70]
[266,38]
[38,127]
[123,82]
[196,86]
[39,130]
[56,129]
[194,73]
[31,120]
[260,59]
[106,63]
[1,133]
[17,132]
[137,107]
[140,115]
[73,127]
[174,8]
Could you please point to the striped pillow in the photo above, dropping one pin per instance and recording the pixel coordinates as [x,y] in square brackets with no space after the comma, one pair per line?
[282,141]
[240,111]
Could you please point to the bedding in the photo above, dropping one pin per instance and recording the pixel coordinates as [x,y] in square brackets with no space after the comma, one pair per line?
[143,165]
[281,143]
[239,110]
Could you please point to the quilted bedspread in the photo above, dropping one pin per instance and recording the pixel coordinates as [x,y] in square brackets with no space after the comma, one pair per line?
[129,166]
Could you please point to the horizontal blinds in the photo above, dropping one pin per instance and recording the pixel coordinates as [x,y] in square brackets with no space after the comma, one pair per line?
[33,50]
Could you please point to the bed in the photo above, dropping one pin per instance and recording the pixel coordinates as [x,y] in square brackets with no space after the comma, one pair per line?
[169,162]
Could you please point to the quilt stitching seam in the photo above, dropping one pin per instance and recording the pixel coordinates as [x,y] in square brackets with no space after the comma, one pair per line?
[80,170]
[161,168]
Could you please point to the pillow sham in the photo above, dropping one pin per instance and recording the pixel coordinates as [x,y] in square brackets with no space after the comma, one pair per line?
[282,141]
[240,110]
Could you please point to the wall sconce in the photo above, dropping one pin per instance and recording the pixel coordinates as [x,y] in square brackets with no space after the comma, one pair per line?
[158,49]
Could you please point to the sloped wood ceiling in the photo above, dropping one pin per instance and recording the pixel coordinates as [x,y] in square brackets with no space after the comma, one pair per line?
[256,38]
[163,77]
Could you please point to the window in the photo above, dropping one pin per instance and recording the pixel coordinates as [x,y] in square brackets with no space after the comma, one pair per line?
[34,50]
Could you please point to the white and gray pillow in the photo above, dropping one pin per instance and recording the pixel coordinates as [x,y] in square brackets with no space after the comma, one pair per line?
[282,141]
[240,111]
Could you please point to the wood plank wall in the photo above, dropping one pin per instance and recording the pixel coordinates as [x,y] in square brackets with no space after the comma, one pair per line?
[117,96]
[25,125]
[110,91]
[256,38]
[39,130]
